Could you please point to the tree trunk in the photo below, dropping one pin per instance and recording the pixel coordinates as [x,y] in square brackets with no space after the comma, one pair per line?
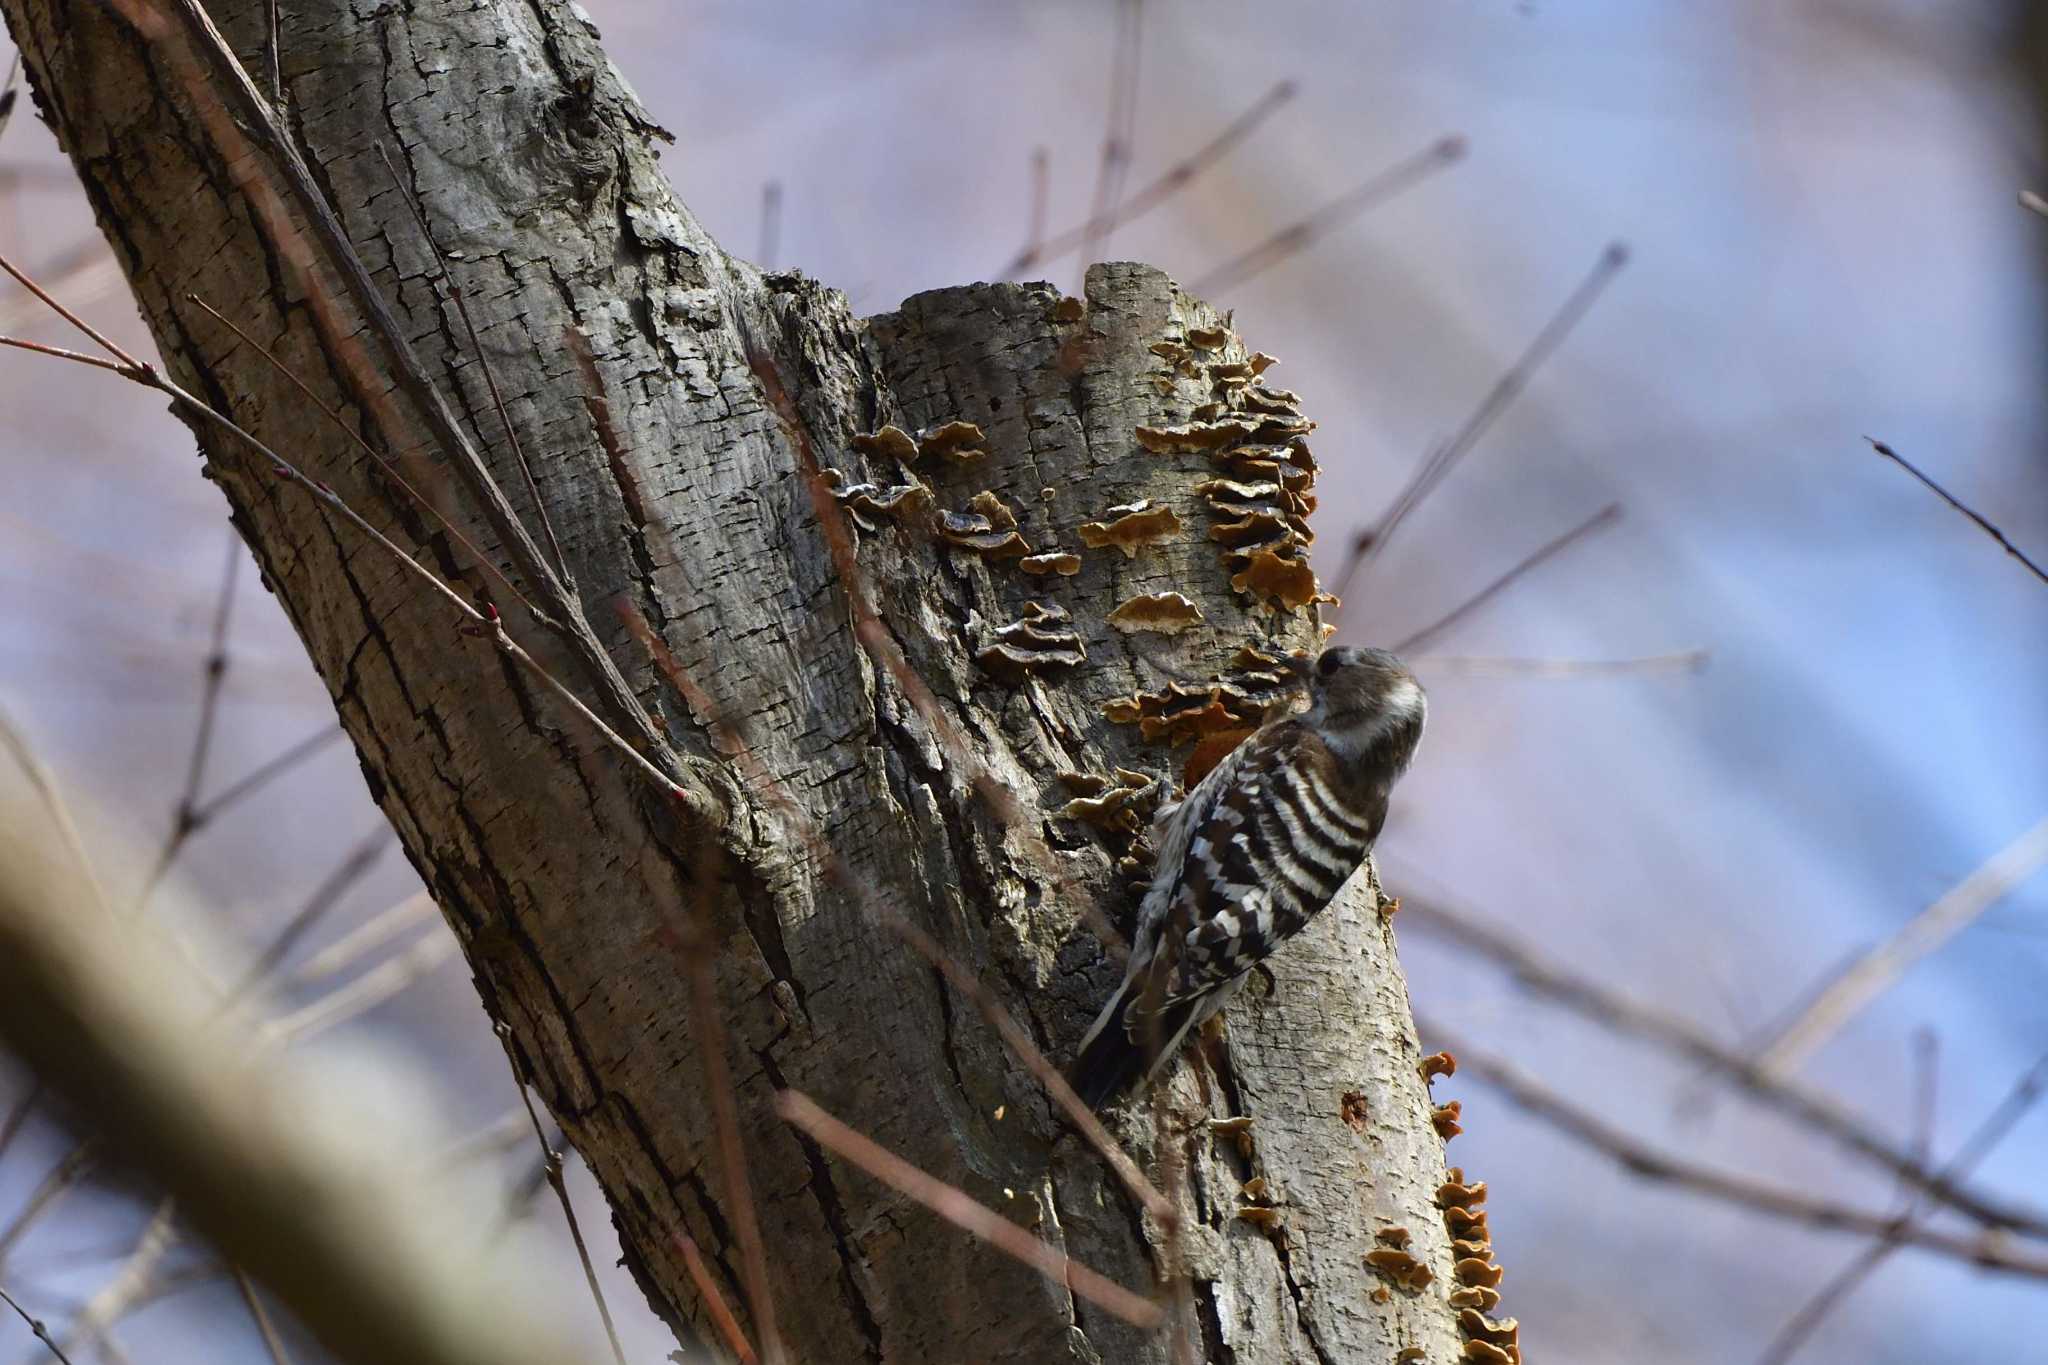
[671,403]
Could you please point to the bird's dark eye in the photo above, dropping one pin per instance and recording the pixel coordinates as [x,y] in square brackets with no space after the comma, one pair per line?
[1326,665]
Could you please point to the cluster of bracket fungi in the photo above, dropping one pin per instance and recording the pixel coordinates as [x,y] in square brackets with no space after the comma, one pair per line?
[1488,1340]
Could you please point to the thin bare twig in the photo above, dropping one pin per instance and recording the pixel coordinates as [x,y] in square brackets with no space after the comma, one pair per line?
[2034,202]
[272,1342]
[1040,1066]
[275,53]
[35,1324]
[1040,208]
[184,822]
[963,1211]
[1170,182]
[769,788]
[1594,1000]
[367,937]
[1874,973]
[1298,236]
[771,224]
[1125,61]
[355,864]
[1991,1250]
[1986,527]
[552,1166]
[1497,401]
[45,784]
[208,71]
[485,623]
[418,499]
[1600,520]
[445,279]
[1988,1135]
[382,982]
[267,772]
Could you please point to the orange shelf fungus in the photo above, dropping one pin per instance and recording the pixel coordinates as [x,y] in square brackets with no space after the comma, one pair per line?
[1039,640]
[1131,527]
[1163,613]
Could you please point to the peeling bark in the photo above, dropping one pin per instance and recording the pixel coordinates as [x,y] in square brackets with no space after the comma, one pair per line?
[618,332]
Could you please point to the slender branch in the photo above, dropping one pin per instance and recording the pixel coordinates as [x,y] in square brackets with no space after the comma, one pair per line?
[45,784]
[692,942]
[1990,1250]
[272,1342]
[766,785]
[383,982]
[1175,178]
[1874,973]
[445,279]
[483,623]
[207,70]
[35,1324]
[355,864]
[372,934]
[184,822]
[1993,1130]
[1600,520]
[10,91]
[418,499]
[771,224]
[2034,202]
[552,1164]
[1593,1000]
[268,772]
[1298,236]
[964,1212]
[1125,60]
[1497,401]
[1986,527]
[1036,214]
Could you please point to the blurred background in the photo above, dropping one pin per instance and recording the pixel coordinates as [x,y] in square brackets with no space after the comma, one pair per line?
[1818,198]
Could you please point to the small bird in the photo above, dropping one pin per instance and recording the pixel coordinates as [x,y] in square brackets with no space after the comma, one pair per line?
[1260,845]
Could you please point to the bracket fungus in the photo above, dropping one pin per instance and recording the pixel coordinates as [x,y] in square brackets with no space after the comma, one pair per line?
[958,442]
[1400,1267]
[1042,638]
[1195,437]
[1065,563]
[1115,803]
[864,501]
[1132,526]
[988,527]
[1164,613]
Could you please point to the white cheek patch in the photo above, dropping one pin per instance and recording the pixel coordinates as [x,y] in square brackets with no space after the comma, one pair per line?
[1406,699]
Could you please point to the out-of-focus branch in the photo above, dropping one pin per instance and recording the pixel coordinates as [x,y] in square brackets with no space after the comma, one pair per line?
[1607,1006]
[1873,974]
[127,1043]
[1991,1250]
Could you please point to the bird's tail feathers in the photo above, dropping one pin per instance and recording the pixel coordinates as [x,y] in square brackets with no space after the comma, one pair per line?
[1119,1049]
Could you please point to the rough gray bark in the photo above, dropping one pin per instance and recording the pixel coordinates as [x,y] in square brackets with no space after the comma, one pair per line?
[618,333]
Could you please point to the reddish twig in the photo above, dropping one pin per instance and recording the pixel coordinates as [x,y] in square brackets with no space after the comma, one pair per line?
[966,1213]
[1306,232]
[1985,526]
[714,1301]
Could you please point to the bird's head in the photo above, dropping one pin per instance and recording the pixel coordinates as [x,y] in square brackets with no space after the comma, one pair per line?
[1360,698]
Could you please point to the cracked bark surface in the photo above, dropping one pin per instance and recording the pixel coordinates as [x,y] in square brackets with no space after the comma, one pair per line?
[616,328]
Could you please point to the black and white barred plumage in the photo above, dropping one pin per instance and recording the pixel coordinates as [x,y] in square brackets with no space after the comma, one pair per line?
[1262,843]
